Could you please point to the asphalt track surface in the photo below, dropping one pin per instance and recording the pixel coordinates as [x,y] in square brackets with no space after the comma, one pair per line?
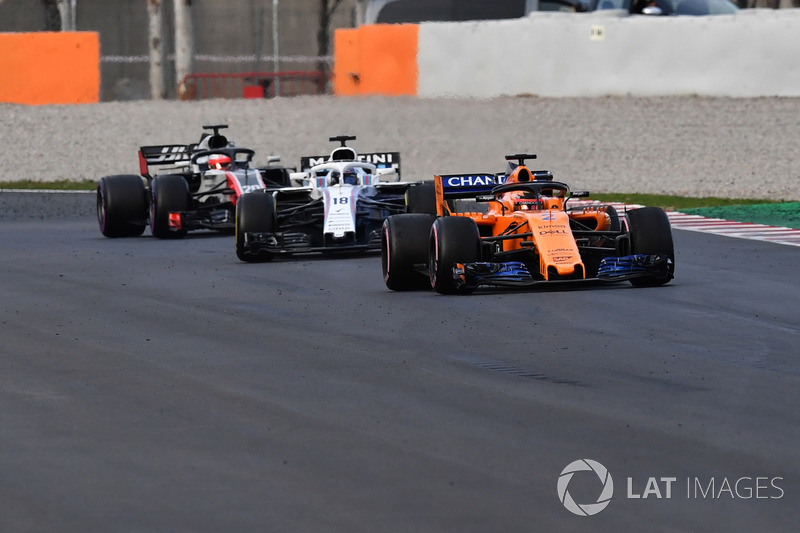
[154,385]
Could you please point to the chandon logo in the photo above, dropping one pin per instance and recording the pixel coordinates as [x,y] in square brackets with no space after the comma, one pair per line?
[587,509]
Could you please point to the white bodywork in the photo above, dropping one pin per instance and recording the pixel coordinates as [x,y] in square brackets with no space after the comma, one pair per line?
[328,175]
[338,183]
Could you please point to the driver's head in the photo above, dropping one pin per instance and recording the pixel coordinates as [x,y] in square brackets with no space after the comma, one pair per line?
[351,177]
[526,201]
[219,162]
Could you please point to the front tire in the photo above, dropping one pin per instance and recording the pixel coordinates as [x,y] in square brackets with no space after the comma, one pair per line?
[453,240]
[404,244]
[255,213]
[121,206]
[651,233]
[169,194]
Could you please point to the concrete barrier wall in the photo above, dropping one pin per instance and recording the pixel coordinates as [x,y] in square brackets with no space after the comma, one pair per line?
[750,54]
[50,68]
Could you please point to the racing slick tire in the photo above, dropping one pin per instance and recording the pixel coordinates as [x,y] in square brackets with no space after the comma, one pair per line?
[168,194]
[452,240]
[613,217]
[404,244]
[121,206]
[421,198]
[651,233]
[592,260]
[255,213]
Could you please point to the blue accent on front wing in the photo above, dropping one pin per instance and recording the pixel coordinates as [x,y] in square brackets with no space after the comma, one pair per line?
[477,273]
[631,266]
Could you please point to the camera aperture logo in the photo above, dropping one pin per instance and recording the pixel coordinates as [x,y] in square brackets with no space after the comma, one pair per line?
[585,465]
[590,472]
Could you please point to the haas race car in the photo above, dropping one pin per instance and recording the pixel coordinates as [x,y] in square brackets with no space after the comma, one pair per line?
[198,188]
[516,229]
[337,204]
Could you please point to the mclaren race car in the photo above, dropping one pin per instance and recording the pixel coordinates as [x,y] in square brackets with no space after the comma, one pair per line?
[517,228]
[198,188]
[336,204]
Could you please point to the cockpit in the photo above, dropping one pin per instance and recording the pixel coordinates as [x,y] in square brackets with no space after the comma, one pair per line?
[343,175]
[528,190]
[547,197]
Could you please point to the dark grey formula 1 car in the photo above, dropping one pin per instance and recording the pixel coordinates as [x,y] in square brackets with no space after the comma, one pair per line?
[197,187]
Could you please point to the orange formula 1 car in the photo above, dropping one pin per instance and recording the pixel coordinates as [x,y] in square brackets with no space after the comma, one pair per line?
[517,229]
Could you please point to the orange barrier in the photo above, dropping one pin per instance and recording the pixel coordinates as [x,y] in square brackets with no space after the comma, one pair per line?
[50,68]
[376,59]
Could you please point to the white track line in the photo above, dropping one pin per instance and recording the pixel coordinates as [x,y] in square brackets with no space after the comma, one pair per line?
[718,226]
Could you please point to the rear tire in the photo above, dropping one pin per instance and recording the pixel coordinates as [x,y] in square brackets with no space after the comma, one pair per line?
[404,243]
[169,194]
[121,206]
[421,198]
[452,240]
[613,217]
[255,213]
[651,233]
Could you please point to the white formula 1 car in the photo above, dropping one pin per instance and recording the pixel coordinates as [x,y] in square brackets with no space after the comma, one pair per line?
[337,203]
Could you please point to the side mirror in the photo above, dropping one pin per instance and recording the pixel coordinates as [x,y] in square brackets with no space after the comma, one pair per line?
[579,194]
[299,179]
[653,11]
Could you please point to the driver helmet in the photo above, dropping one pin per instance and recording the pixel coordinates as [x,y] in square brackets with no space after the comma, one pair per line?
[351,177]
[526,201]
[219,162]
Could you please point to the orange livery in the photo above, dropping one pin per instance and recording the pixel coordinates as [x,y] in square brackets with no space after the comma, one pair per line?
[518,228]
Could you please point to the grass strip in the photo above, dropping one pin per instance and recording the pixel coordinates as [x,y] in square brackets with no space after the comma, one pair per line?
[59,185]
[676,203]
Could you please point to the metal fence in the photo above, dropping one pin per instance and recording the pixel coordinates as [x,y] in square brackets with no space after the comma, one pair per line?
[253,84]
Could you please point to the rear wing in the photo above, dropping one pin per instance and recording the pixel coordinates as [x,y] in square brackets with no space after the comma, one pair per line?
[467,185]
[379,159]
[162,155]
[455,186]
[479,187]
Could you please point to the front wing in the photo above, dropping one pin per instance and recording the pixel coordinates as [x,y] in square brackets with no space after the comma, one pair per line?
[220,218]
[299,242]
[516,274]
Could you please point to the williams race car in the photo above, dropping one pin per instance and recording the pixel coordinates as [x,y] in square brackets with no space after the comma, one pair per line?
[517,229]
[338,203]
[197,189]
